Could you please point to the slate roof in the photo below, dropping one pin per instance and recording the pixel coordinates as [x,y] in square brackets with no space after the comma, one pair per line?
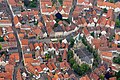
[58,29]
[84,55]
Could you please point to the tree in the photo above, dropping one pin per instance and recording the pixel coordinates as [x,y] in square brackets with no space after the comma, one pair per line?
[84,68]
[1,39]
[36,23]
[56,25]
[111,1]
[116,60]
[61,2]
[33,5]
[101,77]
[54,2]
[118,79]
[26,2]
[117,23]
[92,34]
[118,74]
[67,20]
[77,69]
[89,49]
[111,38]
[57,20]
[72,42]
[0,47]
[72,61]
[70,54]
[84,41]
[47,56]
[60,59]
[105,10]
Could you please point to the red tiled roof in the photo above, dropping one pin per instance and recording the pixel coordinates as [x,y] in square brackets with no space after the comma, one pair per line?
[38,68]
[66,76]
[113,78]
[96,42]
[94,76]
[85,78]
[24,41]
[28,60]
[49,66]
[16,20]
[85,30]
[28,55]
[14,56]
[9,68]
[64,55]
[53,65]
[31,46]
[107,54]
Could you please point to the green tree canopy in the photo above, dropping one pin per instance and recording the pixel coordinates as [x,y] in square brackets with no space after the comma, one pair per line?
[61,2]
[101,77]
[116,60]
[47,56]
[70,54]
[92,34]
[84,68]
[111,1]
[60,59]
[118,74]
[117,23]
[1,39]
[105,10]
[72,42]
[72,61]
[0,47]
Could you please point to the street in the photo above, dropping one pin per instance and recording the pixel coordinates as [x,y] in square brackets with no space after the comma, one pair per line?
[74,3]
[20,51]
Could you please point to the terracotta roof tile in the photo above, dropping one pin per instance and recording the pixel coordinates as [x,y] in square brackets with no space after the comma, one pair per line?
[61,76]
[36,44]
[49,66]
[27,55]
[11,36]
[85,78]
[96,42]
[66,76]
[16,20]
[9,68]
[113,78]
[31,46]
[14,56]
[53,65]
[38,68]
[64,55]
[5,21]
[0,31]
[24,41]
[107,54]
[94,76]
[28,60]
[21,35]
[85,30]
[2,79]
[62,65]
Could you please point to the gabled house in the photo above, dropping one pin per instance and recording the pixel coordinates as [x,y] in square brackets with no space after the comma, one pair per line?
[107,57]
[16,21]
[106,5]
[117,7]
[84,2]
[5,23]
